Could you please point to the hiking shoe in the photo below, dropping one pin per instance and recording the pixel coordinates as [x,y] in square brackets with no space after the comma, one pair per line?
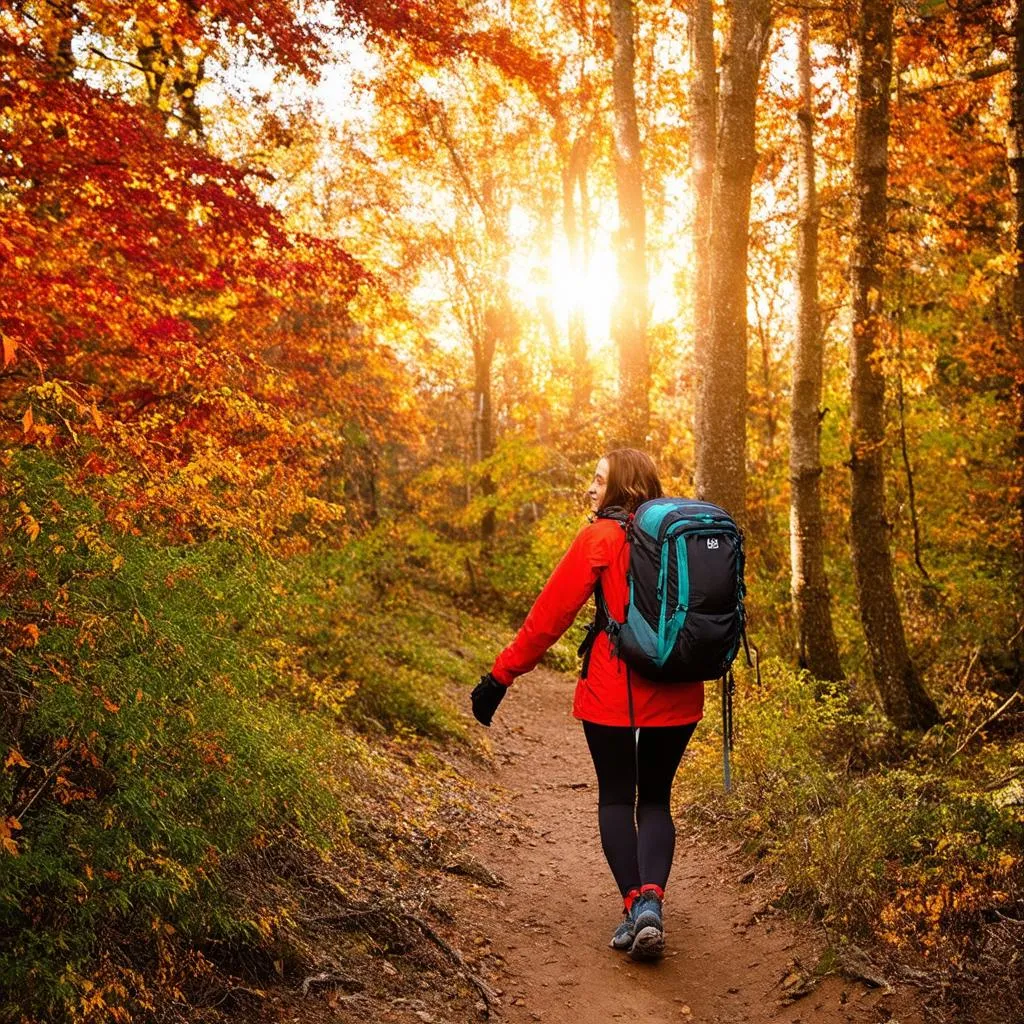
[625,933]
[648,931]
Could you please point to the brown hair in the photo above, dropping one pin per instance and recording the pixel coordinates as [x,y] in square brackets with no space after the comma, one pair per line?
[632,479]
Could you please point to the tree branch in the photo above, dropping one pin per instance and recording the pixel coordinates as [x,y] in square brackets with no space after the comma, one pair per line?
[988,721]
[974,75]
[116,60]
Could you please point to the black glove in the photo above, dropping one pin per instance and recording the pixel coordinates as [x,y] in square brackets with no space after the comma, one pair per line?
[486,696]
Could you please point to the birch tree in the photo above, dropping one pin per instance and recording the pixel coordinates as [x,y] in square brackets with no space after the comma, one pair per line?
[816,640]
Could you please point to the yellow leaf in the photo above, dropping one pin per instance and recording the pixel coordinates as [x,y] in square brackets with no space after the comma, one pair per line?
[15,760]
[118,561]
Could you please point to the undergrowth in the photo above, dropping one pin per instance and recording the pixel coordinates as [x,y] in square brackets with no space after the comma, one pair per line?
[907,844]
[171,717]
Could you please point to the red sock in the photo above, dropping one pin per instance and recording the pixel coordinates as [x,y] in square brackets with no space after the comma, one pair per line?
[627,900]
[655,889]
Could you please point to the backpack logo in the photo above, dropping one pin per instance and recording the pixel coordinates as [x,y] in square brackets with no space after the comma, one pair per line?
[712,543]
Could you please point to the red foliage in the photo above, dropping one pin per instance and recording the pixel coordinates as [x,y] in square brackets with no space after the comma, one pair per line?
[156,313]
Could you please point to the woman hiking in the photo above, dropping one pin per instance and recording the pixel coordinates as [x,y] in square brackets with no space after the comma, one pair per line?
[634,770]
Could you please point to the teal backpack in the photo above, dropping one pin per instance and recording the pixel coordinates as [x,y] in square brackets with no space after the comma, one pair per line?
[685,616]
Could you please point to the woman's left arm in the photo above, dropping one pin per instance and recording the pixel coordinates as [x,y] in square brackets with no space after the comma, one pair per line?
[564,594]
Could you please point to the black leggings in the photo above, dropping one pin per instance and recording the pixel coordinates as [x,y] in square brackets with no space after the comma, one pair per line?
[637,833]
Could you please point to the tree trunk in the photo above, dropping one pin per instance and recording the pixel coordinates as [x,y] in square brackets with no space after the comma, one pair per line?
[703,127]
[153,60]
[903,697]
[816,639]
[189,75]
[721,473]
[629,318]
[483,416]
[1015,162]
[575,225]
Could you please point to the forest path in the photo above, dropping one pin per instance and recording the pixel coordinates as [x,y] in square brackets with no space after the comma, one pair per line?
[728,957]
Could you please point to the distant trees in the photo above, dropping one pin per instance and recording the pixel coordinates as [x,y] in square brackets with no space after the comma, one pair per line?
[489,135]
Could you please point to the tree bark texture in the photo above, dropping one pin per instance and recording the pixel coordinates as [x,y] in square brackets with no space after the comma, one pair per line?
[629,317]
[576,225]
[812,612]
[162,62]
[903,696]
[1015,163]
[703,129]
[721,471]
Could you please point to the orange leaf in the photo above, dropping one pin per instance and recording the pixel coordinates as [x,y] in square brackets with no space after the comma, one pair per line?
[7,826]
[10,347]
[111,706]
[27,421]
[32,629]
[95,413]
[15,760]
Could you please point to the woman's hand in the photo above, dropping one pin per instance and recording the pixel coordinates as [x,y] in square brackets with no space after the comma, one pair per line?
[486,696]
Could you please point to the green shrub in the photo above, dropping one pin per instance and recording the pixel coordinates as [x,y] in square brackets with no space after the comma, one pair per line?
[875,837]
[169,710]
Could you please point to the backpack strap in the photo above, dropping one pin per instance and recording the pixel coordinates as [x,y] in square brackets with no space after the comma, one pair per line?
[616,513]
[603,623]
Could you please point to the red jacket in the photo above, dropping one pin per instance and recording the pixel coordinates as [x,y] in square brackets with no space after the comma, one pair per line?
[599,552]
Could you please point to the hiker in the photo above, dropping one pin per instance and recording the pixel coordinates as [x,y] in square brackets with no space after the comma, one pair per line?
[634,769]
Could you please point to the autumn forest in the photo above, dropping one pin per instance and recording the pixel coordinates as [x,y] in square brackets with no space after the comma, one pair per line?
[315,318]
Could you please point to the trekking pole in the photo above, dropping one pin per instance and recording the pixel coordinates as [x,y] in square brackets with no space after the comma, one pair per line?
[727,688]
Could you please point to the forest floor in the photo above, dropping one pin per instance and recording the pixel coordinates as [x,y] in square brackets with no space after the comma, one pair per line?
[531,905]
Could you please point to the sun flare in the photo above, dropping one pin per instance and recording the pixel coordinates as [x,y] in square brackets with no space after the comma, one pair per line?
[562,286]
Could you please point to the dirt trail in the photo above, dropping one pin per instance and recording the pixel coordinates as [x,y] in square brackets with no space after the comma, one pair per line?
[727,957]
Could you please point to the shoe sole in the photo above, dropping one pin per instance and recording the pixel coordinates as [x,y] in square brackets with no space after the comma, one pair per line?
[649,944]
